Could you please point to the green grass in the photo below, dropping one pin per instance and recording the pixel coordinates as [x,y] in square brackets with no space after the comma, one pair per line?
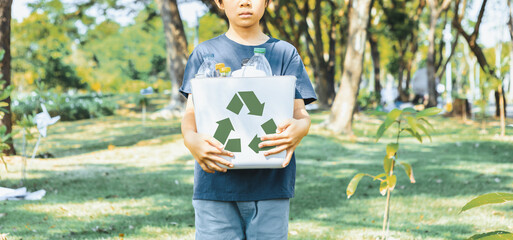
[141,186]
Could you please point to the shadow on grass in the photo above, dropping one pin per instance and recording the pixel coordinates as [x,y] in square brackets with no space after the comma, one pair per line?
[138,199]
[442,171]
[87,136]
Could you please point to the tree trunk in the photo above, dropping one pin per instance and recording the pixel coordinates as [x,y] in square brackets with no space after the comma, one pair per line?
[342,110]
[403,95]
[434,14]
[324,69]
[510,26]
[501,111]
[176,48]
[5,65]
[373,42]
[433,95]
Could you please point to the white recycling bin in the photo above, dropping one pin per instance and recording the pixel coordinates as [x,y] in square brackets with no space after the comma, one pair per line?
[237,111]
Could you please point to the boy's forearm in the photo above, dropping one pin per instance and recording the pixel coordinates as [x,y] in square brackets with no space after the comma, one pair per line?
[301,115]
[188,121]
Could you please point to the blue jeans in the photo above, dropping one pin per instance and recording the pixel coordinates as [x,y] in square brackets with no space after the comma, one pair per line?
[253,220]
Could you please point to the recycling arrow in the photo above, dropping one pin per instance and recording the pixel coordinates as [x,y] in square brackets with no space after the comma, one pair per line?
[254,145]
[233,145]
[223,130]
[252,102]
[269,127]
[235,104]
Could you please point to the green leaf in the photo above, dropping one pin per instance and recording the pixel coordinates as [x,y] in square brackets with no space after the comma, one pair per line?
[379,113]
[383,186]
[426,121]
[392,149]
[351,188]
[408,170]
[489,198]
[413,123]
[423,129]
[379,176]
[381,130]
[5,93]
[391,117]
[428,112]
[414,134]
[392,180]
[409,110]
[497,235]
[387,164]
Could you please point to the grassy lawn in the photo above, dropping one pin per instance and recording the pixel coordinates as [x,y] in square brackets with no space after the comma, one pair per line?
[113,176]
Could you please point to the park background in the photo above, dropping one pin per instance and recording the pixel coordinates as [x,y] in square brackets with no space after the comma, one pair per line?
[114,166]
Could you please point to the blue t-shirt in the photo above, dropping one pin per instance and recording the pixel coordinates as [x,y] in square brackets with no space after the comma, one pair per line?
[248,184]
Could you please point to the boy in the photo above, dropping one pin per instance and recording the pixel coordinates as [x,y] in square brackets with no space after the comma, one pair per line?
[251,203]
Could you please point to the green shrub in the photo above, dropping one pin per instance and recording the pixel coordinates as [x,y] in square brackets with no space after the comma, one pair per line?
[69,107]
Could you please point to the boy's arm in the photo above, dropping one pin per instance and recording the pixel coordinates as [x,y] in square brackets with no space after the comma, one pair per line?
[204,149]
[289,134]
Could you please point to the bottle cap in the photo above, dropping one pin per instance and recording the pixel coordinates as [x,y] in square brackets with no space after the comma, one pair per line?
[219,66]
[226,69]
[259,50]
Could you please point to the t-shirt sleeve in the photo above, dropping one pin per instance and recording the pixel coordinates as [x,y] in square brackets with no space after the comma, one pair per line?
[193,63]
[304,88]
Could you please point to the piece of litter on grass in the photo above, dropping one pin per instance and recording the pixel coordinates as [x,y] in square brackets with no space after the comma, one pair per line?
[37,195]
[20,194]
[293,233]
[177,182]
[438,180]
[497,180]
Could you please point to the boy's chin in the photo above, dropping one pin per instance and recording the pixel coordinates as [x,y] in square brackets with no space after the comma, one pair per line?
[246,24]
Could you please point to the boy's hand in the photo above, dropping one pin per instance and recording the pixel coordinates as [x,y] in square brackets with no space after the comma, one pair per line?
[288,134]
[206,151]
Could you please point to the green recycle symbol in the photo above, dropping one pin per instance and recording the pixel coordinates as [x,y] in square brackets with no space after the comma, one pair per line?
[225,126]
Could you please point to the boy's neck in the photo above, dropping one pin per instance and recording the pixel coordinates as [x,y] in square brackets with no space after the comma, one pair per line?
[247,36]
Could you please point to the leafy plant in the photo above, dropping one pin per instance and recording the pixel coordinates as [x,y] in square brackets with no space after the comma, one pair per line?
[28,128]
[5,92]
[490,198]
[416,123]
[69,107]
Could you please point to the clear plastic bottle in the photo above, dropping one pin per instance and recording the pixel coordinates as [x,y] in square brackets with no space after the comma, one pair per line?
[226,72]
[218,69]
[259,63]
[208,67]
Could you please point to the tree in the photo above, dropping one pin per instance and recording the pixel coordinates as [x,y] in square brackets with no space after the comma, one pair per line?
[316,29]
[42,48]
[435,11]
[510,26]
[343,108]
[324,68]
[401,26]
[471,40]
[176,48]
[5,64]
[373,43]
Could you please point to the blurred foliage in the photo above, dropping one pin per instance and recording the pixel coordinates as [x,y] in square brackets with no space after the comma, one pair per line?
[48,46]
[5,92]
[69,106]
[81,45]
